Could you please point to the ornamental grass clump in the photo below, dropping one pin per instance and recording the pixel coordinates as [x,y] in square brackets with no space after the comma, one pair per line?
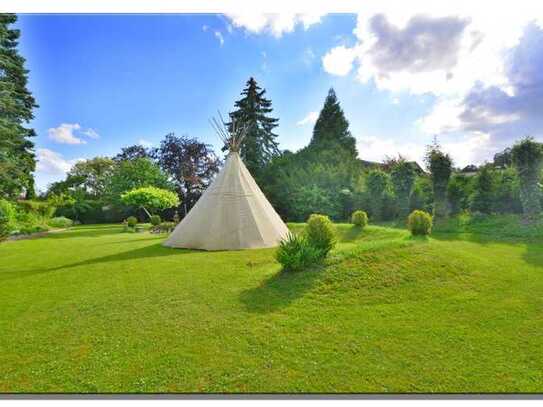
[295,253]
[359,219]
[419,223]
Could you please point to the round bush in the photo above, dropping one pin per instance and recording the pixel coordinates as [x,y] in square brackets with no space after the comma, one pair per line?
[167,226]
[295,253]
[60,222]
[419,223]
[155,220]
[359,218]
[131,221]
[320,233]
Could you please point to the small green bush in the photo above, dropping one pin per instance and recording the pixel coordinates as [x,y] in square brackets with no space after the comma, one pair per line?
[42,208]
[29,229]
[131,221]
[419,223]
[295,253]
[167,226]
[60,222]
[155,220]
[320,233]
[7,217]
[359,218]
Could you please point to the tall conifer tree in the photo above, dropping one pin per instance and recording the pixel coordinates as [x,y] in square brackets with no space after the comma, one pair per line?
[253,110]
[332,128]
[17,160]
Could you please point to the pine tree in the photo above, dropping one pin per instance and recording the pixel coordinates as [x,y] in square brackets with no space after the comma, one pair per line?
[332,128]
[17,160]
[259,146]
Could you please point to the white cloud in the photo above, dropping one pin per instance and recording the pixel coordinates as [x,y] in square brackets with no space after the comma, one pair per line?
[426,46]
[339,60]
[311,118]
[275,24]
[219,36]
[471,148]
[308,56]
[64,134]
[204,28]
[145,143]
[464,149]
[372,148]
[483,70]
[52,163]
[91,133]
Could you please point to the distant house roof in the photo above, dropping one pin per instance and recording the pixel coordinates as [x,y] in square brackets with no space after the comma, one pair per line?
[373,164]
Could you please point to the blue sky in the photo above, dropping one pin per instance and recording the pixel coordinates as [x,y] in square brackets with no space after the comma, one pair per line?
[108,81]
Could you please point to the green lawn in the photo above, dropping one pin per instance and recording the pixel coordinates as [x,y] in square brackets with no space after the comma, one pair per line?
[93,309]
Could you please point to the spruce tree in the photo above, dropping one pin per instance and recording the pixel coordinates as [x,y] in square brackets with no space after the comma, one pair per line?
[332,128]
[17,160]
[252,111]
[440,166]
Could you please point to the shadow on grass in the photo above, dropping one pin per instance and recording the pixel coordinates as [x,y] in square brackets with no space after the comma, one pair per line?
[85,232]
[350,234]
[152,251]
[534,254]
[280,290]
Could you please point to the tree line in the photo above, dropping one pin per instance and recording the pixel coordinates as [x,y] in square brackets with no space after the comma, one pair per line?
[326,176]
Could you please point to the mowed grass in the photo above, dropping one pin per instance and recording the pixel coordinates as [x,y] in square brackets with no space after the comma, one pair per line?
[93,309]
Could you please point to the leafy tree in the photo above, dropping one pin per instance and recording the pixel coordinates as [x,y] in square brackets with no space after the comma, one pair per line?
[150,199]
[440,167]
[132,153]
[458,192]
[93,174]
[422,197]
[527,156]
[403,178]
[507,191]
[190,164]
[483,198]
[253,112]
[17,160]
[378,186]
[503,159]
[137,173]
[332,128]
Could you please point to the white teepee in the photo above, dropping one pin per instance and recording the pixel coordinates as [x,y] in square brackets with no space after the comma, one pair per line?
[233,213]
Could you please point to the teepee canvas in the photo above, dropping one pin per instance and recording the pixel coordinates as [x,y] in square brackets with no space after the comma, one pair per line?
[233,213]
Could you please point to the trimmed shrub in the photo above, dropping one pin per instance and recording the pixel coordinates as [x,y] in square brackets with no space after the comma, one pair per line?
[359,218]
[8,216]
[295,253]
[320,233]
[60,222]
[419,223]
[155,220]
[167,226]
[131,221]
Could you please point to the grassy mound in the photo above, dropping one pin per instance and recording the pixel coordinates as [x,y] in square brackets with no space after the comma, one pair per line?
[93,309]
